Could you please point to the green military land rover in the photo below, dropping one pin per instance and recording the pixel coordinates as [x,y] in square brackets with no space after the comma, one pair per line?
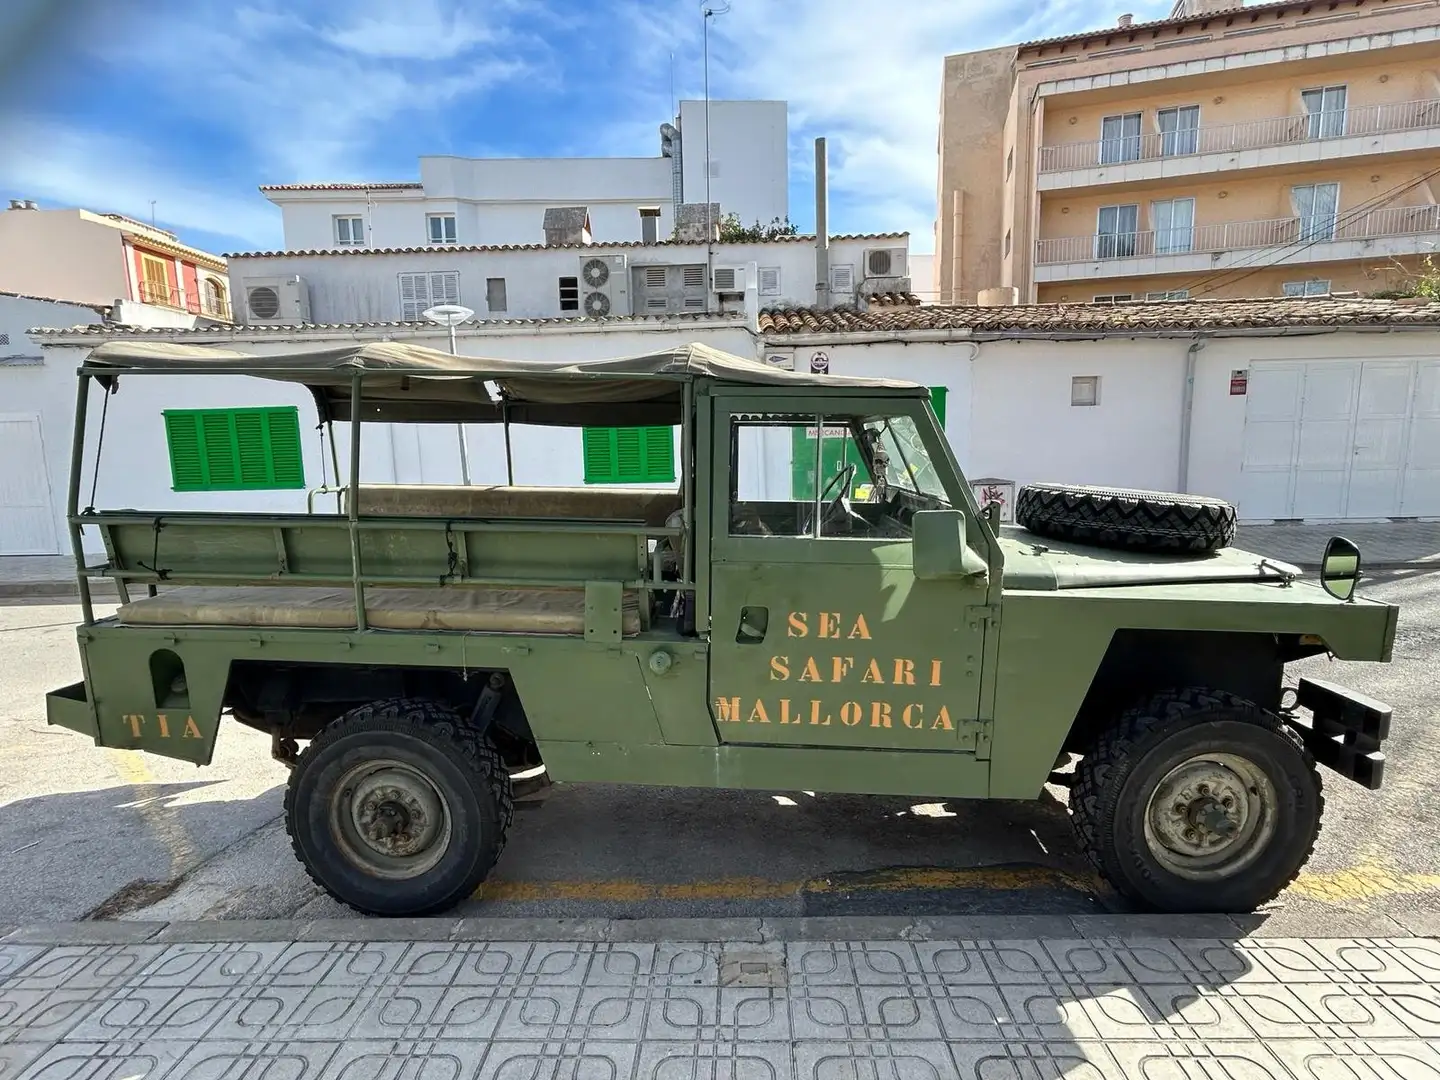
[818,603]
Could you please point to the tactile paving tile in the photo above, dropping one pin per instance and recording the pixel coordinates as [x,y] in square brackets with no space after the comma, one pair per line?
[1138,1009]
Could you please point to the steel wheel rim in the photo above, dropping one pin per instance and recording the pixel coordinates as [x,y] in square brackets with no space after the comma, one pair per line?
[1211,816]
[390,819]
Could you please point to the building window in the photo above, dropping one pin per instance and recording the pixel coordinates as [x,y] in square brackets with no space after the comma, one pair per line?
[569,294]
[649,224]
[1317,206]
[215,302]
[635,455]
[769,283]
[349,231]
[1007,243]
[1085,390]
[1324,111]
[1115,298]
[421,291]
[441,228]
[154,280]
[1312,287]
[1120,138]
[1174,221]
[1116,231]
[495,294]
[1179,130]
[1169,294]
[235,449]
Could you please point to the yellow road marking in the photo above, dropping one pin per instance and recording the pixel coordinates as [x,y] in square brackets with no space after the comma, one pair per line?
[164,820]
[1361,884]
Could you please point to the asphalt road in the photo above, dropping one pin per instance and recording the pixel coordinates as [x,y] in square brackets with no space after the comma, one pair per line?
[86,831]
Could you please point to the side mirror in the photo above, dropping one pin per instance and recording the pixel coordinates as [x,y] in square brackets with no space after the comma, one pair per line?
[1340,568]
[939,548]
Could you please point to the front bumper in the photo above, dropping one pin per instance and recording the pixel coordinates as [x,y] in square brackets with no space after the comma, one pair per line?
[1345,732]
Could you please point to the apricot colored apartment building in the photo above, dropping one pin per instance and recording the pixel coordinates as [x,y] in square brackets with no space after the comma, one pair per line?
[1266,150]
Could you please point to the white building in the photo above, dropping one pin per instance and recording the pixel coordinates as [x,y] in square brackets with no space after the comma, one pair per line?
[498,201]
[571,278]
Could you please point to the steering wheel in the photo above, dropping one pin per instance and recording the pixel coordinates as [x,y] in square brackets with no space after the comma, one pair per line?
[844,478]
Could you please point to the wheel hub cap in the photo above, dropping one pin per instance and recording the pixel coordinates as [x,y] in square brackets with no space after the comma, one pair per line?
[1210,816]
[390,819]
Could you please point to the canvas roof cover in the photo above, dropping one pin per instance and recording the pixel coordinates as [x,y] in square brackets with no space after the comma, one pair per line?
[414,383]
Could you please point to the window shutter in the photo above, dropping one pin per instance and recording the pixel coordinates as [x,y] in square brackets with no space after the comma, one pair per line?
[937,402]
[235,449]
[599,454]
[414,296]
[445,288]
[629,454]
[217,439]
[182,433]
[658,444]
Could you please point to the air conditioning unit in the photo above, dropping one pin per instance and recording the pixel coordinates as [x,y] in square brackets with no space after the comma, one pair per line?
[885,263]
[728,279]
[604,286]
[282,300]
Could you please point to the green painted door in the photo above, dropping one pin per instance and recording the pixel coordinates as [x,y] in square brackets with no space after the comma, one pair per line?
[821,635]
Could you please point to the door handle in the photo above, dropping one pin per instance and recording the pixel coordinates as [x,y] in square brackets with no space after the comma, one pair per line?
[754,622]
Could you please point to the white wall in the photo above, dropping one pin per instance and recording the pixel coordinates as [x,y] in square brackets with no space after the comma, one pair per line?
[749,172]
[353,287]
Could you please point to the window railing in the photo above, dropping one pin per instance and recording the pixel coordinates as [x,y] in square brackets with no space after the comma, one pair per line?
[1246,135]
[1240,235]
[166,295]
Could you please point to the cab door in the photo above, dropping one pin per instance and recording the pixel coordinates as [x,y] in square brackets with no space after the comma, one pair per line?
[820,633]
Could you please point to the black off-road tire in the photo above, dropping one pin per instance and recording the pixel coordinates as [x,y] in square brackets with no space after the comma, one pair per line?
[462,765]
[1114,781]
[1151,521]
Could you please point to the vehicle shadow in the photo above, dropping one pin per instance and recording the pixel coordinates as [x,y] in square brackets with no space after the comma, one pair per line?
[109,851]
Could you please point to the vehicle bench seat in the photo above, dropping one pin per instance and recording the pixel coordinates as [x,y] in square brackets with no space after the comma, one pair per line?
[501,501]
[558,610]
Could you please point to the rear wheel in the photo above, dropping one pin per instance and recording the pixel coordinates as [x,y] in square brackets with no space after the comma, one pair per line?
[1198,801]
[398,808]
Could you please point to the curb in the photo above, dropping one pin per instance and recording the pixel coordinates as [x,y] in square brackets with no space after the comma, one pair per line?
[1280,924]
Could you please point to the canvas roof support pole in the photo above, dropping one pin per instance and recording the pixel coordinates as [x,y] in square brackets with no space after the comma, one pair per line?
[353,503]
[72,499]
[687,480]
[509,461]
[335,462]
[819,460]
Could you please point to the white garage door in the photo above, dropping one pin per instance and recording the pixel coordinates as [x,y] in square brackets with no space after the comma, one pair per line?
[27,520]
[1343,439]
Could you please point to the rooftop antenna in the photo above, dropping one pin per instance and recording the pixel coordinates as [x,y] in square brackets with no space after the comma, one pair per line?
[672,86]
[152,213]
[707,13]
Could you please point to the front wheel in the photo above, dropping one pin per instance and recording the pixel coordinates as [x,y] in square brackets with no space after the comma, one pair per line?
[1198,801]
[398,808]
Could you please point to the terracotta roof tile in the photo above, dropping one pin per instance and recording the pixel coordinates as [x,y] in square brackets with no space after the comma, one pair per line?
[1072,319]
[384,185]
[240,330]
[1238,8]
[598,246]
[892,299]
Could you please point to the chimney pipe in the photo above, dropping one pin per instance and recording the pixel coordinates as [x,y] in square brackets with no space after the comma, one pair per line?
[1125,21]
[822,229]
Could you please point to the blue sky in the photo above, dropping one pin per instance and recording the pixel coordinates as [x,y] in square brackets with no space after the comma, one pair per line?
[110,104]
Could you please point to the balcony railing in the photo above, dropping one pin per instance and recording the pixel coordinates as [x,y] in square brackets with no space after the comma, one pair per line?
[1241,235]
[161,293]
[1246,135]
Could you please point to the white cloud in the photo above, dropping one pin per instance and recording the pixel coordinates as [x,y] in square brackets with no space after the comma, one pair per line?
[74,167]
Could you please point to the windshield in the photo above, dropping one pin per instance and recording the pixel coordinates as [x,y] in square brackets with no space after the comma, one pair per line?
[906,463]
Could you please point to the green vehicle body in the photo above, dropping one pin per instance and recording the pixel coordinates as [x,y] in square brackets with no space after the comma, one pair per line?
[959,662]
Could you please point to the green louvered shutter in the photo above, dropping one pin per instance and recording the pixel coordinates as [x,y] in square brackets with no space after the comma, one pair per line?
[937,402]
[234,449]
[182,433]
[629,455]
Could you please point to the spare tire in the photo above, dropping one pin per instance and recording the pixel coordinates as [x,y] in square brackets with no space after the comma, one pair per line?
[1126,520]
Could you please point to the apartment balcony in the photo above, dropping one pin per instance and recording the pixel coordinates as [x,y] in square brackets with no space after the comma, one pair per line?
[1393,231]
[1251,144]
[163,295]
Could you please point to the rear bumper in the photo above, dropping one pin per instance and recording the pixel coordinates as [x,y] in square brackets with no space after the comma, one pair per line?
[69,707]
[1346,730]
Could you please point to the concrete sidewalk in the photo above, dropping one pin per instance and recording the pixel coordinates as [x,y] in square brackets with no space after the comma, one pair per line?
[415,999]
